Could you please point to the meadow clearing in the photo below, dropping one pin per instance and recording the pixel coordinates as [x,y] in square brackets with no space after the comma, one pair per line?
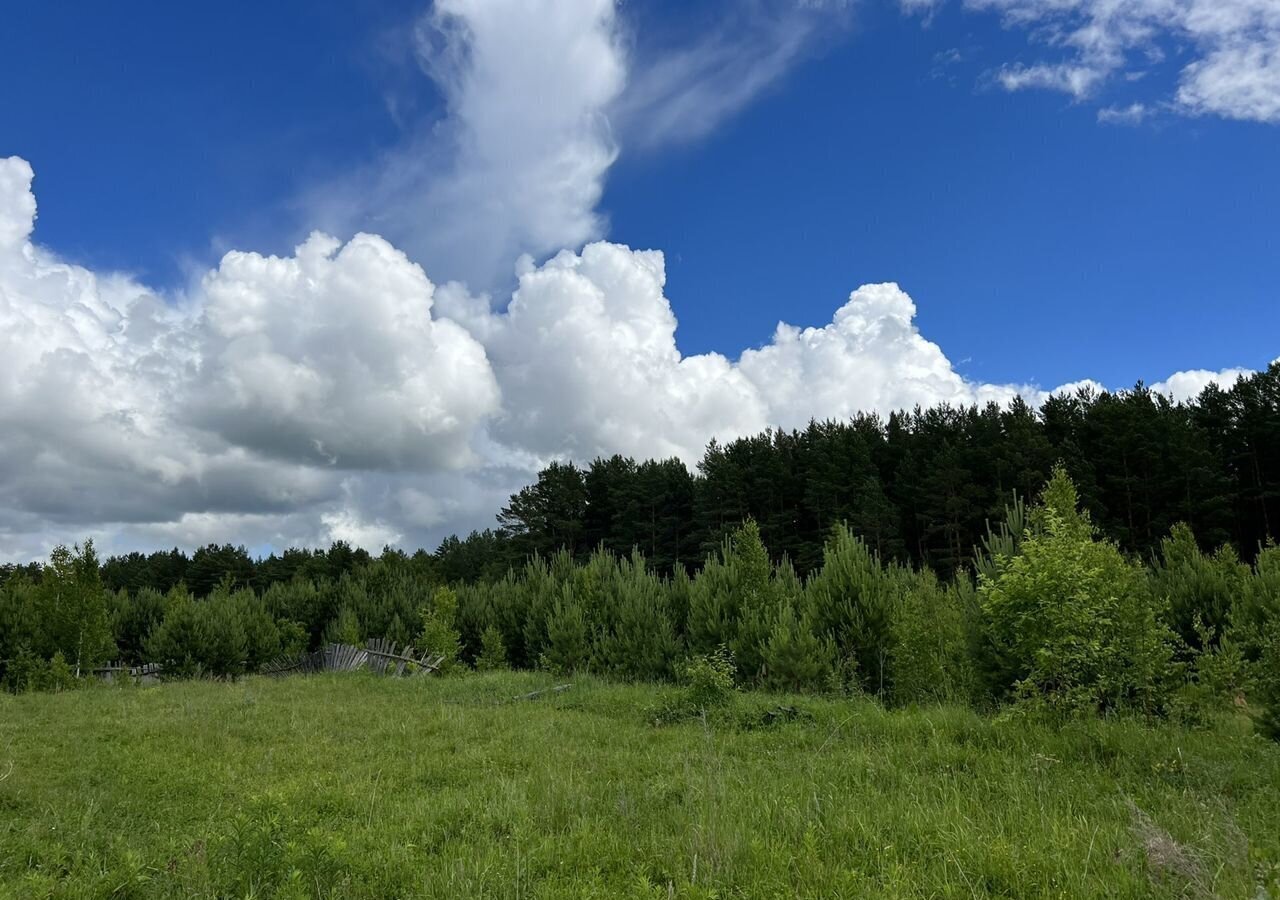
[353,786]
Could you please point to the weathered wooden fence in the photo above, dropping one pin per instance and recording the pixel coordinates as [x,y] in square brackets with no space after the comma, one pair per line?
[145,674]
[378,655]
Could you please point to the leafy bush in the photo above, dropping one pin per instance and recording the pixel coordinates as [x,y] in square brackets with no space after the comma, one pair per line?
[709,679]
[707,687]
[133,618]
[205,637]
[439,633]
[1074,625]
[636,639]
[728,597]
[29,672]
[345,629]
[929,653]
[493,653]
[1200,591]
[1260,605]
[293,637]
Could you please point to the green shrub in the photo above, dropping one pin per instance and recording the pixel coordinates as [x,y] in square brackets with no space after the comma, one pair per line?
[28,672]
[709,679]
[567,647]
[493,652]
[1073,623]
[1199,591]
[728,597]
[929,653]
[201,637]
[852,599]
[796,659]
[293,637]
[707,687]
[345,629]
[261,633]
[133,618]
[637,639]
[1260,605]
[1268,683]
[439,634]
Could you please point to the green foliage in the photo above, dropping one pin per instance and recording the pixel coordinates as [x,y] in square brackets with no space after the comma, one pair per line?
[262,639]
[64,616]
[1260,604]
[728,592]
[58,675]
[794,658]
[1071,622]
[929,654]
[853,598]
[709,679]
[493,652]
[305,602]
[73,609]
[568,639]
[345,629]
[133,617]
[1201,591]
[221,637]
[439,633]
[293,638]
[1268,677]
[29,672]
[21,632]
[635,638]
[1003,541]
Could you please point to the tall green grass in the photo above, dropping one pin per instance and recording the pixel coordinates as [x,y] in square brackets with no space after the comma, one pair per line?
[354,786]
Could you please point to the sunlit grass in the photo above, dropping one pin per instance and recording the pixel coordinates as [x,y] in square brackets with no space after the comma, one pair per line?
[357,786]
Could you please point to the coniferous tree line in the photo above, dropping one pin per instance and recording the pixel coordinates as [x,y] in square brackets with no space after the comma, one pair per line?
[1052,616]
[1140,579]
[919,487]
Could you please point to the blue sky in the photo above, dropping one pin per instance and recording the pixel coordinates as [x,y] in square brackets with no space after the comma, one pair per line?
[1064,191]
[1039,244]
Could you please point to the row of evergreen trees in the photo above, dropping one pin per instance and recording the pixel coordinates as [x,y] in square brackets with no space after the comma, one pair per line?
[1053,614]
[65,619]
[919,487]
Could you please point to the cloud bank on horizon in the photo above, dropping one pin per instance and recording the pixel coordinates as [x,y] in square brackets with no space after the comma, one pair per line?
[341,393]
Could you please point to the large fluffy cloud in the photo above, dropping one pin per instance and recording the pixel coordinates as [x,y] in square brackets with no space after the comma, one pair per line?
[338,394]
[331,356]
[518,162]
[1227,51]
[251,399]
[588,361]
[871,357]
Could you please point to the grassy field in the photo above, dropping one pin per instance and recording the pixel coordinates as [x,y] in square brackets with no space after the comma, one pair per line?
[354,786]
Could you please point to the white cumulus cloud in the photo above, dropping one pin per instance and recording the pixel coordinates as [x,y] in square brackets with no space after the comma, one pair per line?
[517,164]
[332,356]
[871,357]
[338,394]
[1183,386]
